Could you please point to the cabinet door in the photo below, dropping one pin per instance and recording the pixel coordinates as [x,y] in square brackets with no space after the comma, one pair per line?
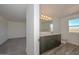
[46,43]
[49,42]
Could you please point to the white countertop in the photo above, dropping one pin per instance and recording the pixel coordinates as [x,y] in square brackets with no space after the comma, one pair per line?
[48,33]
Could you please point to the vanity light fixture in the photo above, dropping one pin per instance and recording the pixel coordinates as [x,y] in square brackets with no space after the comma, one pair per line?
[45,18]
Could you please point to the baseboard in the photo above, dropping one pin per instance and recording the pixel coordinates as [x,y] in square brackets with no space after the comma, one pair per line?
[67,41]
[73,43]
[63,41]
[18,38]
[3,42]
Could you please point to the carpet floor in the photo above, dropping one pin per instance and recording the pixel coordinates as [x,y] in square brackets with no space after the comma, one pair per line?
[14,47]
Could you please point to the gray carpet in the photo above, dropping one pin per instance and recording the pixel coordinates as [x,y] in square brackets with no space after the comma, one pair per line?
[14,47]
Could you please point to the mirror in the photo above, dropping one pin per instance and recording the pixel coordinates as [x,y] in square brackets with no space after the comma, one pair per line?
[46,26]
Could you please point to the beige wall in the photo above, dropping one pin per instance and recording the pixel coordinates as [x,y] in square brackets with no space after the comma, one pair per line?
[3,30]
[16,29]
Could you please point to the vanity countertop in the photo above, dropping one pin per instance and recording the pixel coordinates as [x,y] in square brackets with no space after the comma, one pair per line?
[47,33]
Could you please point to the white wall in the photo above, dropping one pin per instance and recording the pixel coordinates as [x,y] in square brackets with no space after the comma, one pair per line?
[16,29]
[69,37]
[56,26]
[3,30]
[61,26]
[32,32]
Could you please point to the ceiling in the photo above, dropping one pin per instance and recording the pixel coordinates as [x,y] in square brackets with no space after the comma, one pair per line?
[13,12]
[17,12]
[58,10]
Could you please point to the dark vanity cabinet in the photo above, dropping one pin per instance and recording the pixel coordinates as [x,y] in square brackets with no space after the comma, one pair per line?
[49,42]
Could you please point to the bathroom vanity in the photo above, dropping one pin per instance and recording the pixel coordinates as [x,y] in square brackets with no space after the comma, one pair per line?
[49,41]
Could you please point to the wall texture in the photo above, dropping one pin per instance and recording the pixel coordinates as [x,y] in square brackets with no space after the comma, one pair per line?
[3,30]
[16,29]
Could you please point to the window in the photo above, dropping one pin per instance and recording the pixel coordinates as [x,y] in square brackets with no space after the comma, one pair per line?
[74,25]
[51,27]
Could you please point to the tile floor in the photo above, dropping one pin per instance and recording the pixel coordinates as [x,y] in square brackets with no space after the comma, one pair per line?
[64,49]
